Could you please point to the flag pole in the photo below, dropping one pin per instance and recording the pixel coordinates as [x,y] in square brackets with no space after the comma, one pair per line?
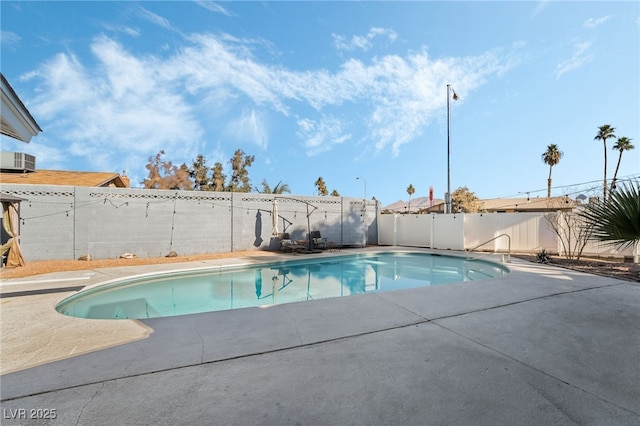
[448,200]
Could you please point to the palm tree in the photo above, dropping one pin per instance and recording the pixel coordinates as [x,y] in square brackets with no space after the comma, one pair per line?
[617,220]
[622,144]
[551,157]
[605,132]
[280,188]
[410,190]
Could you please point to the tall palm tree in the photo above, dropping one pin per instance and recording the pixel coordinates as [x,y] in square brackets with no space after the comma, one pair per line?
[605,132]
[622,144]
[551,157]
[410,190]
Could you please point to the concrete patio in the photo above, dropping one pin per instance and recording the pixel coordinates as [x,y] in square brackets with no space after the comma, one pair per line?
[539,346]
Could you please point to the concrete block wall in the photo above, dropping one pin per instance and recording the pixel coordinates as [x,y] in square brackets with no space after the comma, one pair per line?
[61,222]
[153,223]
[47,219]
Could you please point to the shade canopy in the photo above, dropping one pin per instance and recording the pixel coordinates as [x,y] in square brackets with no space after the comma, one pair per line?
[6,198]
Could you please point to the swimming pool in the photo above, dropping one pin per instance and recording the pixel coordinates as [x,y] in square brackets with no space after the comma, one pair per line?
[182,293]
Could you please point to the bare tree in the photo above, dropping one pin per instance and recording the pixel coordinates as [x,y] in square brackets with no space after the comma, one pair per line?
[571,229]
[164,175]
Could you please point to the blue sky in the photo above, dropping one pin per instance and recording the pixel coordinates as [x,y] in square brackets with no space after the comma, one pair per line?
[333,89]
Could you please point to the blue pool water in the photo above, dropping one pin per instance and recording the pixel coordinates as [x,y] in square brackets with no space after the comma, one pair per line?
[183,293]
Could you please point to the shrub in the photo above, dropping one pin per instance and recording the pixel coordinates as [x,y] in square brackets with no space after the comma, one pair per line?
[617,220]
[543,256]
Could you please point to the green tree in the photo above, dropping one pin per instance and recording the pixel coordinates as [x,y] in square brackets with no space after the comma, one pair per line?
[622,144]
[410,190]
[465,201]
[280,188]
[240,181]
[164,175]
[551,157]
[218,179]
[199,173]
[617,220]
[605,132]
[335,193]
[322,187]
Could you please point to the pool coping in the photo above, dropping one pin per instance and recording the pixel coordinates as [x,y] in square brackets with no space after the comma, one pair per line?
[88,278]
[140,349]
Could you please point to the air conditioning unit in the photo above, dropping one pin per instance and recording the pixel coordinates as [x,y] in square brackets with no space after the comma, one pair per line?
[17,161]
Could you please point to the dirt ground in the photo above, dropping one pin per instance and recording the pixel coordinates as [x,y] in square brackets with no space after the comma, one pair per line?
[48,266]
[611,268]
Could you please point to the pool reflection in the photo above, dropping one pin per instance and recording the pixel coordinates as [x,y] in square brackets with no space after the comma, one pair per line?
[274,284]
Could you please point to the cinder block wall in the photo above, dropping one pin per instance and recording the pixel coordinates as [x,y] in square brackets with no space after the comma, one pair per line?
[62,222]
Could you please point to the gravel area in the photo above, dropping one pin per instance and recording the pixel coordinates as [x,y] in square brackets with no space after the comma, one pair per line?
[48,266]
[606,267]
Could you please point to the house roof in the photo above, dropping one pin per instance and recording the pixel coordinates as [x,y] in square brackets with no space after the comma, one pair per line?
[417,204]
[16,120]
[492,205]
[66,177]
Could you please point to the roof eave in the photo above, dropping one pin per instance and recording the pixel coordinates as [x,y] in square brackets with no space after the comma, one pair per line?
[21,124]
[116,179]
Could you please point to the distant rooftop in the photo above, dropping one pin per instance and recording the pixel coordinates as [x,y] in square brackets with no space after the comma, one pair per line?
[416,204]
[537,204]
[528,204]
[65,177]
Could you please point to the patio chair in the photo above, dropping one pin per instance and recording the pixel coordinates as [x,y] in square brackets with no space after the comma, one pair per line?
[317,240]
[289,245]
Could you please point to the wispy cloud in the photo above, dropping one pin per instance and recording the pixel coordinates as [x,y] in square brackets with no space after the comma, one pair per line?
[579,58]
[133,32]
[250,127]
[213,7]
[121,112]
[156,19]
[595,22]
[540,7]
[358,42]
[128,107]
[9,39]
[321,135]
